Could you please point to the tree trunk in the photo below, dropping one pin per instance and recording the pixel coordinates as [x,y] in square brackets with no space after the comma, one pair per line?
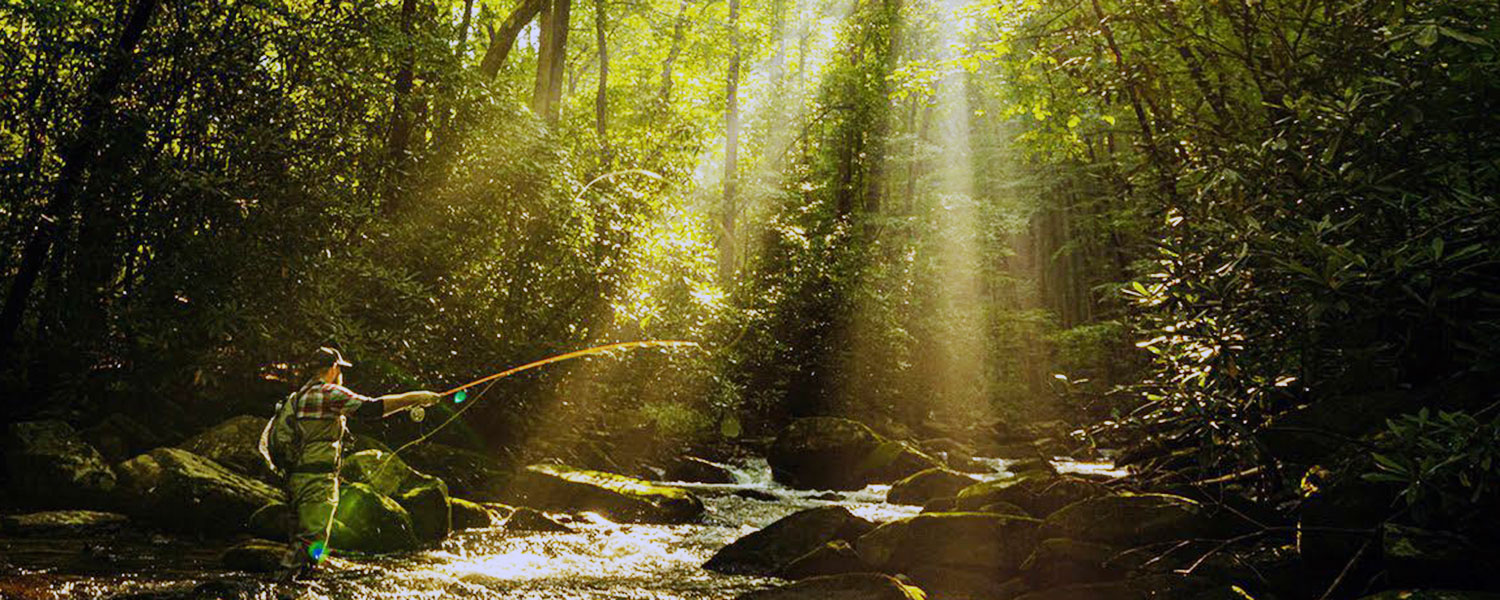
[546,97]
[731,146]
[504,39]
[399,133]
[679,31]
[1132,88]
[76,156]
[463,28]
[601,99]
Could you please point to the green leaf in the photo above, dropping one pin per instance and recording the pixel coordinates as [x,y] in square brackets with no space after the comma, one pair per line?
[1427,36]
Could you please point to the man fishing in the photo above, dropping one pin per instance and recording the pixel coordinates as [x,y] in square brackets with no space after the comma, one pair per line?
[303,442]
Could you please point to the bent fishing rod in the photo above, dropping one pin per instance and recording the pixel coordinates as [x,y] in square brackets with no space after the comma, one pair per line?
[460,393]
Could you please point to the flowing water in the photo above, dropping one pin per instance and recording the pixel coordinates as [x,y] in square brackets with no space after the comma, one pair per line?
[599,560]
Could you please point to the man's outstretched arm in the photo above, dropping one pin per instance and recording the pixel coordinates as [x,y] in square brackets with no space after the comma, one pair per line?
[394,403]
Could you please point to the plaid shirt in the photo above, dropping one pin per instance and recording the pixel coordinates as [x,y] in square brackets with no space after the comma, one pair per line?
[327,401]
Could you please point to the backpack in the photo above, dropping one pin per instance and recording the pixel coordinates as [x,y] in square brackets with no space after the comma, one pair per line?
[281,439]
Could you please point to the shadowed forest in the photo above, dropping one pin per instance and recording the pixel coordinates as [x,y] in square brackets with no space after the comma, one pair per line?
[1131,298]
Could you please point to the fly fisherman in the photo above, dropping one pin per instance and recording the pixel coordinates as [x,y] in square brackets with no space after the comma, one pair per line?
[303,443]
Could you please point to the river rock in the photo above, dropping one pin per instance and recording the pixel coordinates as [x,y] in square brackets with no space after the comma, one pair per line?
[469,515]
[1039,494]
[1061,561]
[820,453]
[119,436]
[61,523]
[621,498]
[427,503]
[255,556]
[531,519]
[384,472]
[850,586]
[49,465]
[235,443]
[892,461]
[995,544]
[696,470]
[1130,520]
[754,494]
[765,551]
[181,491]
[834,558]
[275,521]
[367,521]
[926,485]
[1152,587]
[1433,595]
[468,473]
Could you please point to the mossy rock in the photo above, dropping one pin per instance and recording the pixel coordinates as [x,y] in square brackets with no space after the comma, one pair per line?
[620,498]
[975,541]
[822,453]
[255,556]
[367,521]
[1061,561]
[926,485]
[469,515]
[428,506]
[833,558]
[1130,520]
[775,546]
[180,491]
[1038,493]
[49,465]
[234,443]
[61,523]
[531,519]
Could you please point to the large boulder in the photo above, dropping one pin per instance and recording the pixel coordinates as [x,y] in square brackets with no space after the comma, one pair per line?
[119,436]
[49,465]
[927,485]
[621,498]
[367,521]
[851,586]
[468,473]
[765,551]
[469,515]
[696,470]
[273,521]
[424,497]
[255,556]
[1130,520]
[235,443]
[993,544]
[181,491]
[428,505]
[1040,494]
[821,452]
[531,519]
[61,523]
[834,558]
[1061,561]
[840,454]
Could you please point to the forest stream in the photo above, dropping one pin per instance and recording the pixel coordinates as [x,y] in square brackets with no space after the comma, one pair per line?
[598,560]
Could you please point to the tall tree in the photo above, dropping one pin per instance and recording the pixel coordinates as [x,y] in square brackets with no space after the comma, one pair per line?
[76,156]
[399,134]
[601,100]
[546,97]
[731,146]
[504,39]
[679,32]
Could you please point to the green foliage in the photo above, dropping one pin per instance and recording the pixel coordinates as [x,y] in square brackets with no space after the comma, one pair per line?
[1447,463]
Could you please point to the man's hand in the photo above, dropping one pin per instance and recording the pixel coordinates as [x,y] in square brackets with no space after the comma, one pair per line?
[399,402]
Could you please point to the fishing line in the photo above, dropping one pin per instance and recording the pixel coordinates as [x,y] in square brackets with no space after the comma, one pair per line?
[461,391]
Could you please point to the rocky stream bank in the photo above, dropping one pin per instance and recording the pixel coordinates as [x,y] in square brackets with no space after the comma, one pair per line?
[829,509]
